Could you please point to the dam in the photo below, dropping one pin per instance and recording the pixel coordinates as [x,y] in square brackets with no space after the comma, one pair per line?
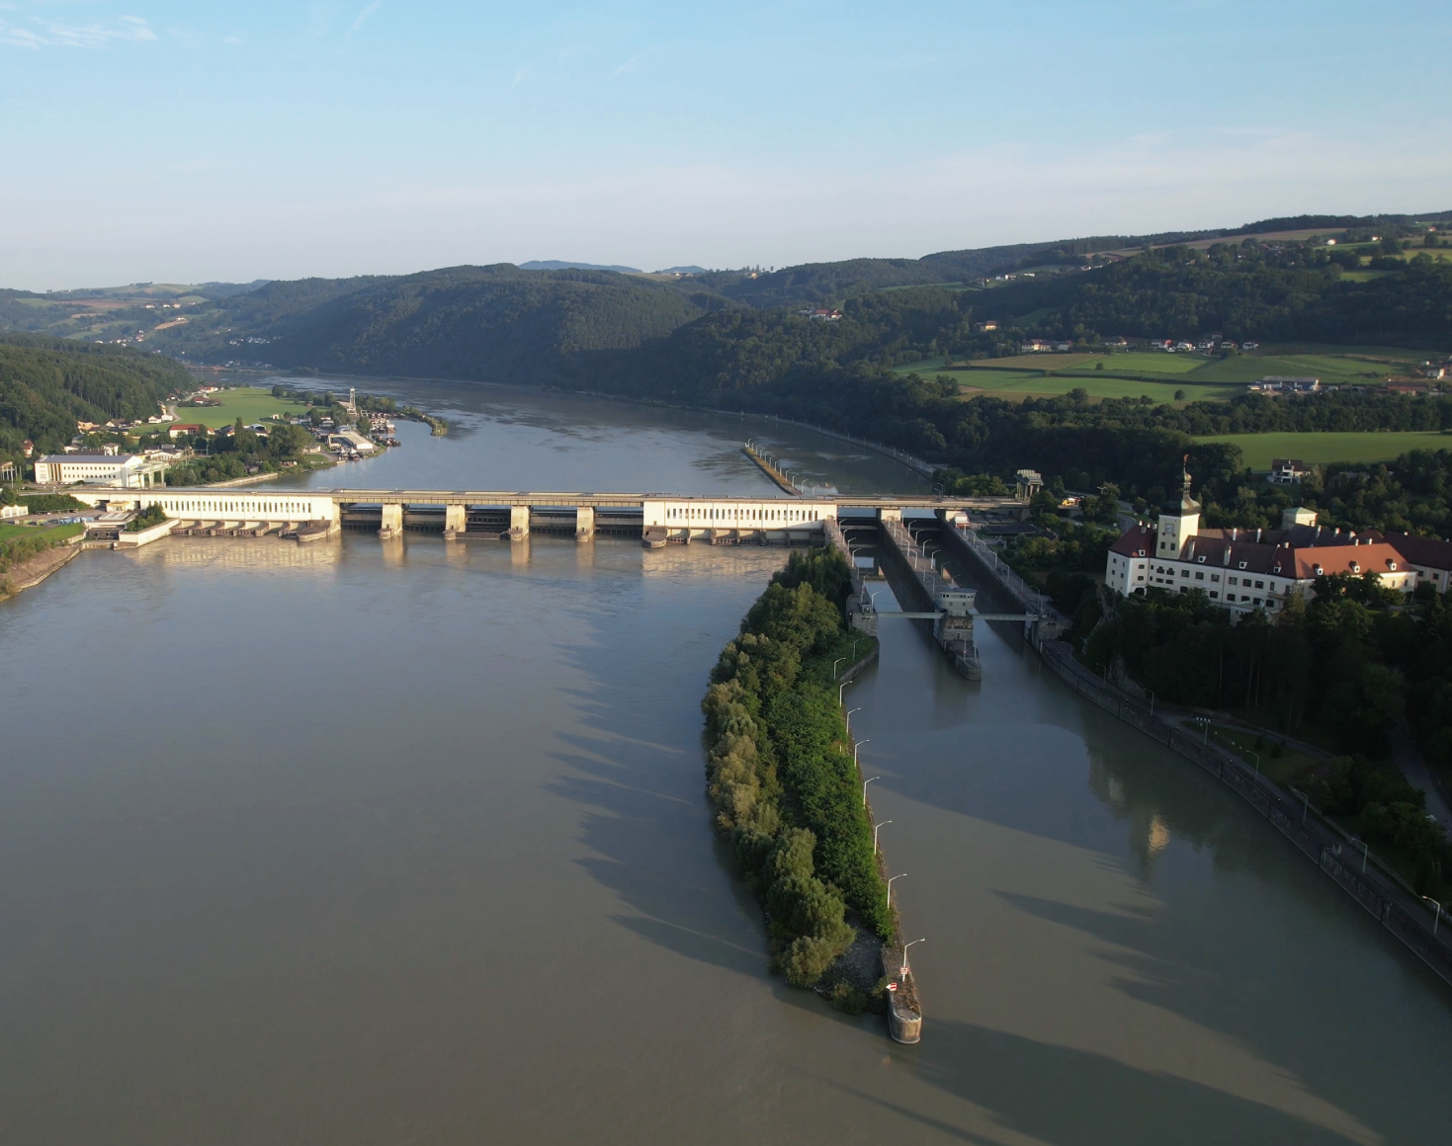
[655,518]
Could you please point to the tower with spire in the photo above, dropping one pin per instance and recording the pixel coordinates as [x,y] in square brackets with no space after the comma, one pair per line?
[1179,518]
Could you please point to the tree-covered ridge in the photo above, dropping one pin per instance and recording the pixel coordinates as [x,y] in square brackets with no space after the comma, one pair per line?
[781,775]
[48,384]
[483,323]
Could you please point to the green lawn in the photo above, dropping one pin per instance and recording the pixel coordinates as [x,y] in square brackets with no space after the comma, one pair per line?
[54,532]
[1369,446]
[250,403]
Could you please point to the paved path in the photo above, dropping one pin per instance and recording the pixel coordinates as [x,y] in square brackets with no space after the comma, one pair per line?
[1409,759]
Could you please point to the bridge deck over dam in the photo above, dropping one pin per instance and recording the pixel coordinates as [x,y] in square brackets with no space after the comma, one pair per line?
[659,518]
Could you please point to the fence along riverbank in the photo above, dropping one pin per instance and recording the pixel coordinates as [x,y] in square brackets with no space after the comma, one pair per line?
[1358,872]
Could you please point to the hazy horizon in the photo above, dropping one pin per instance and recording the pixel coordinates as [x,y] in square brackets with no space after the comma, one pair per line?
[331,139]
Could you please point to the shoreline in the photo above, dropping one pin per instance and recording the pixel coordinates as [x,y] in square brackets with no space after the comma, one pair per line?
[902,457]
[32,571]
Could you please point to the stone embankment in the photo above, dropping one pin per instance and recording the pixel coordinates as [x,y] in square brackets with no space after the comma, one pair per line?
[33,570]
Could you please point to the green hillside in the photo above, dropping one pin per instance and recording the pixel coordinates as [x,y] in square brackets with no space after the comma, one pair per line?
[494,323]
[47,384]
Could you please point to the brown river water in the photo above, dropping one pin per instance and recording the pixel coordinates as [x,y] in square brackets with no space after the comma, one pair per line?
[406,842]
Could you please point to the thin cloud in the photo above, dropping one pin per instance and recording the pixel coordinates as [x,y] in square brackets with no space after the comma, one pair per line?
[362,17]
[629,66]
[68,34]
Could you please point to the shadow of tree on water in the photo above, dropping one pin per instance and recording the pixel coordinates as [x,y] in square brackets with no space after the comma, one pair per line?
[1069,1097]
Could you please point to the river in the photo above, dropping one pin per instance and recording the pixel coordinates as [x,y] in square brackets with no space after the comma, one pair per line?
[368,842]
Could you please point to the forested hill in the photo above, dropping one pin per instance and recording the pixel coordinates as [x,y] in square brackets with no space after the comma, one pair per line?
[495,323]
[47,384]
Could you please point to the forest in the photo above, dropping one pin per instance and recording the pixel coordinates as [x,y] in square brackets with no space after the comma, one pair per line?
[48,384]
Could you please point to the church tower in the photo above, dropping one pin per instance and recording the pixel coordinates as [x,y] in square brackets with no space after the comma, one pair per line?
[1179,521]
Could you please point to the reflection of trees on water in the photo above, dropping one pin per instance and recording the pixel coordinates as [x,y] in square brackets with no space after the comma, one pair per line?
[1159,796]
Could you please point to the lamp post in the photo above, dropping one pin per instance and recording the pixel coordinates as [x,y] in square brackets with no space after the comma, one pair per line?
[850,711]
[855,746]
[875,829]
[1148,690]
[864,788]
[889,890]
[1305,805]
[1436,917]
[906,970]
[835,663]
[1248,752]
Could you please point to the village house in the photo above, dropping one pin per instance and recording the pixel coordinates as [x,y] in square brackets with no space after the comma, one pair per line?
[1244,570]
[1287,384]
[1288,471]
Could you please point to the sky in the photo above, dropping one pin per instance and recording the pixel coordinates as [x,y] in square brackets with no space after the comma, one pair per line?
[154,140]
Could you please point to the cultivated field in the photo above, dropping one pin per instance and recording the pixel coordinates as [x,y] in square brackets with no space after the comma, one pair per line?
[1132,374]
[1021,384]
[1370,446]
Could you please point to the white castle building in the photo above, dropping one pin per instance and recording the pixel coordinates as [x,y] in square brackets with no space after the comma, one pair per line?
[1247,569]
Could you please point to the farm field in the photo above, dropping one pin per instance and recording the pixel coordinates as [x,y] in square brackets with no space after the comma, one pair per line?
[1367,446]
[250,403]
[1021,384]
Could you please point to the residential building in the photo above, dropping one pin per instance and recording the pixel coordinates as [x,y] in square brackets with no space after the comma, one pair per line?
[13,511]
[177,429]
[125,471]
[1288,471]
[1244,570]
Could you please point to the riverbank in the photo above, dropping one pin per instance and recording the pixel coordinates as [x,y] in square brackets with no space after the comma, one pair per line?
[32,571]
[1348,863]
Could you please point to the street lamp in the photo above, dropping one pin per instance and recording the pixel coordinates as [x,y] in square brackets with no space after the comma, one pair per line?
[850,711]
[906,970]
[1248,752]
[889,890]
[835,663]
[875,829]
[855,746]
[864,788]
[1436,917]
[1148,690]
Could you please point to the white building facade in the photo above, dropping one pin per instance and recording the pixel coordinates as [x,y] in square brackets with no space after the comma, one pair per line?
[1244,570]
[119,471]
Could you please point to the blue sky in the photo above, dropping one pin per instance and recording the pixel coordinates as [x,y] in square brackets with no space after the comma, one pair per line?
[157,140]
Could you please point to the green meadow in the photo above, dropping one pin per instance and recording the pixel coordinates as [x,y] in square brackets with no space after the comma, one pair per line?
[250,403]
[1368,446]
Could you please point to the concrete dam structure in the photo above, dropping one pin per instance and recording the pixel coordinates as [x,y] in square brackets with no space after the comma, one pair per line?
[656,519]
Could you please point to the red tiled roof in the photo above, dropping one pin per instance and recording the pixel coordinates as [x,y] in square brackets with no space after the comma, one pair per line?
[1431,552]
[1377,557]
